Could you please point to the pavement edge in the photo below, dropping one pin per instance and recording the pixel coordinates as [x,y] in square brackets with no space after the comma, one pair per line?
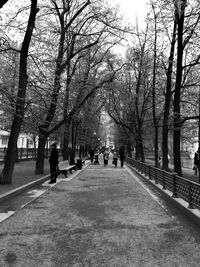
[23,188]
[193,214]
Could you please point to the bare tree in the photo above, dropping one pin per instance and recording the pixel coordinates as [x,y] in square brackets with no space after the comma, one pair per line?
[79,30]
[6,175]
[168,98]
[180,8]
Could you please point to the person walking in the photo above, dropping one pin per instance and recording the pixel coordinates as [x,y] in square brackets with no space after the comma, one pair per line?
[196,162]
[53,160]
[115,158]
[91,153]
[106,157]
[121,156]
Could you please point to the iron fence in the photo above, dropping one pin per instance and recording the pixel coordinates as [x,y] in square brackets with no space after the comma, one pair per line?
[31,153]
[23,153]
[179,186]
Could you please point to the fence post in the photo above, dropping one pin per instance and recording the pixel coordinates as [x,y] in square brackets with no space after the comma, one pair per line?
[174,186]
[156,180]
[190,197]
[149,172]
[138,166]
[164,187]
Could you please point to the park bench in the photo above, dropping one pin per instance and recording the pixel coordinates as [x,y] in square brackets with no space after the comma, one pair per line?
[83,161]
[64,167]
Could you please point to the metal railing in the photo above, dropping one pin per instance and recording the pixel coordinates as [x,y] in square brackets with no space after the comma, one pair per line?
[31,153]
[179,186]
[23,154]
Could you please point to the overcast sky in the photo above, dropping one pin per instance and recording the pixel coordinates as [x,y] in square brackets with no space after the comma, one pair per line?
[131,9]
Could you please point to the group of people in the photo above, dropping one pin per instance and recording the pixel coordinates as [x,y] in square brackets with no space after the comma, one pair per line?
[106,154]
[53,159]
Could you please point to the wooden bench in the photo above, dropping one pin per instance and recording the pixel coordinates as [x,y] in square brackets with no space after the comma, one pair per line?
[83,161]
[64,167]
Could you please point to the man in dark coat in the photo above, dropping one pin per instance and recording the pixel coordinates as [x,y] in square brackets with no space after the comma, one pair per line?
[121,156]
[91,153]
[196,161]
[53,160]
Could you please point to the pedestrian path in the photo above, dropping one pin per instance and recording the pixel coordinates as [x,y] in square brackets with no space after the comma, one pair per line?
[102,217]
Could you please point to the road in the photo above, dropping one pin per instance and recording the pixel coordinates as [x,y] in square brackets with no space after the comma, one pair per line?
[103,217]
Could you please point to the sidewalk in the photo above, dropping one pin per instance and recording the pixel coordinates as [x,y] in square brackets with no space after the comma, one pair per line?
[103,217]
[24,173]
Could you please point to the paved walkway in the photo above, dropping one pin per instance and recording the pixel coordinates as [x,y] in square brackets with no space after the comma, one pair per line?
[102,217]
[24,173]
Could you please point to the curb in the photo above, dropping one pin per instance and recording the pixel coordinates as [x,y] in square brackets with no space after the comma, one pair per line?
[181,204]
[23,188]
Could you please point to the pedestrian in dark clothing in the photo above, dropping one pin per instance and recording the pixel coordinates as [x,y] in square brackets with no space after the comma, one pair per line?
[121,156]
[91,153]
[196,162]
[115,158]
[53,160]
[106,157]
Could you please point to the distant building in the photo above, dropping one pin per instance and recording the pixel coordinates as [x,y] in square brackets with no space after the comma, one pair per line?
[24,140]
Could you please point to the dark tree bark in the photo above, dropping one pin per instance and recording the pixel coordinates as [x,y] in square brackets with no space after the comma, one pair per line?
[3,2]
[155,119]
[41,154]
[168,96]
[6,175]
[138,129]
[65,152]
[180,15]
[65,115]
[139,150]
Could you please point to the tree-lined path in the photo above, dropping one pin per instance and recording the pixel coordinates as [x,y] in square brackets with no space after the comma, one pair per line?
[102,217]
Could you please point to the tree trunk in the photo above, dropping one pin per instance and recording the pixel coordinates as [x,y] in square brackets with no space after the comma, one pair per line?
[66,142]
[168,95]
[39,168]
[3,2]
[177,126]
[156,144]
[128,148]
[6,175]
[139,150]
[65,115]
[155,120]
